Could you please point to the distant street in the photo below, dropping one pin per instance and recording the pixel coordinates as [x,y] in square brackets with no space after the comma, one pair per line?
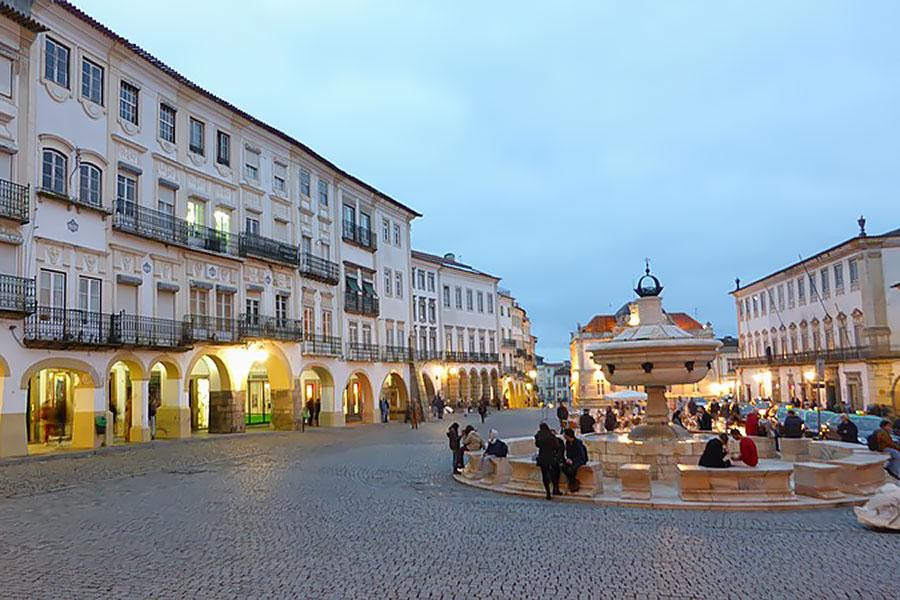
[371,512]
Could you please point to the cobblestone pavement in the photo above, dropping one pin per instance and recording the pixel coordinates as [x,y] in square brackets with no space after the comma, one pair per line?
[371,512]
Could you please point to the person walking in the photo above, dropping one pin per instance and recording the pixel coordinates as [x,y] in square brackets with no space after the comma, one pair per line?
[548,459]
[576,456]
[413,416]
[455,447]
[483,409]
[310,411]
[318,409]
[152,405]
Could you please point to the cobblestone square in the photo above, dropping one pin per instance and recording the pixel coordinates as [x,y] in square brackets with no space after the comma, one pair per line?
[372,512]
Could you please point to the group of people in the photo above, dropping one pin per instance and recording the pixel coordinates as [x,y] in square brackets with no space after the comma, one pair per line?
[311,412]
[587,422]
[460,443]
[717,455]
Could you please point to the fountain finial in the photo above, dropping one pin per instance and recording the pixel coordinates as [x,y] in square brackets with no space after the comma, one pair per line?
[648,285]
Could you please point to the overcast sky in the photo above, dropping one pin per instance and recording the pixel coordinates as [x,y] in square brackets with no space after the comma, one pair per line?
[556,144]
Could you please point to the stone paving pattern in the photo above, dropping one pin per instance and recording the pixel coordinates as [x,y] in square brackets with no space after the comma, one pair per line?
[371,512]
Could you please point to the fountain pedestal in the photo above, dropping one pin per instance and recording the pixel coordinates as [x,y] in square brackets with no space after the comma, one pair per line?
[655,426]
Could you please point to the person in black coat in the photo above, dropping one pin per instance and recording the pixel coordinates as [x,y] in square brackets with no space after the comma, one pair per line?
[704,423]
[548,458]
[610,422]
[792,426]
[586,422]
[455,447]
[562,413]
[715,453]
[848,430]
[576,456]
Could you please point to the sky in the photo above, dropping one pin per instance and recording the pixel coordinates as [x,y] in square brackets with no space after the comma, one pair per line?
[558,144]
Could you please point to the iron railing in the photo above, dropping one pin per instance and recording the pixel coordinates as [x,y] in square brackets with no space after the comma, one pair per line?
[360,304]
[163,227]
[508,343]
[321,345]
[16,295]
[147,332]
[319,268]
[14,201]
[61,327]
[361,236]
[428,355]
[480,357]
[215,330]
[805,358]
[395,354]
[361,352]
[270,328]
[265,248]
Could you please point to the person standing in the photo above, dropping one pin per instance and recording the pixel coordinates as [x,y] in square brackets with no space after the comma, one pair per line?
[318,409]
[610,422]
[576,456]
[413,416]
[310,411]
[483,408]
[152,405]
[586,422]
[562,413]
[455,447]
[548,459]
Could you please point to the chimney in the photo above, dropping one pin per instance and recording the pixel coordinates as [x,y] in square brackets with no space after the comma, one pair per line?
[450,257]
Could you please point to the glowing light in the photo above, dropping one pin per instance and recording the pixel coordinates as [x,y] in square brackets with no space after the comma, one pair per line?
[454,371]
[809,375]
[532,373]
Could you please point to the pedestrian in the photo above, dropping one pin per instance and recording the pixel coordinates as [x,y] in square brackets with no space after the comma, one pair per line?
[676,419]
[692,407]
[609,422]
[881,441]
[715,454]
[576,456]
[455,447]
[548,459]
[704,421]
[48,419]
[793,425]
[385,408]
[441,406]
[152,405]
[562,413]
[496,450]
[586,422]
[318,409]
[848,430]
[413,416]
[748,455]
[310,411]
[483,408]
[751,427]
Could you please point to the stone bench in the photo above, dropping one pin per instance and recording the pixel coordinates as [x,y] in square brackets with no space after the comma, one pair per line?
[635,480]
[819,480]
[861,473]
[500,470]
[767,481]
[795,449]
[825,450]
[526,476]
[521,446]
[765,446]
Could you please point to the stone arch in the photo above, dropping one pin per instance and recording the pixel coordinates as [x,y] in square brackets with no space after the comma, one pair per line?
[317,395]
[214,404]
[216,360]
[495,386]
[463,378]
[171,365]
[173,419]
[4,367]
[134,364]
[87,374]
[357,401]
[395,390]
[895,400]
[485,386]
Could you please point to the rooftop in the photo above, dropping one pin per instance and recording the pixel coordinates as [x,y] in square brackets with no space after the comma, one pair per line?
[449,260]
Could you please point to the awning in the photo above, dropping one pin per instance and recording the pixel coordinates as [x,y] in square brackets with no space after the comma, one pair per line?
[368,288]
[352,286]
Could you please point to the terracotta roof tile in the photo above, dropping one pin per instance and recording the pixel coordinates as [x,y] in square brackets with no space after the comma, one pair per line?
[685,321]
[600,324]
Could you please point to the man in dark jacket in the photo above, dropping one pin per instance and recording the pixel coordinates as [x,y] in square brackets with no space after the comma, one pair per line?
[715,453]
[610,422]
[548,458]
[586,422]
[455,447]
[847,430]
[562,413]
[704,423]
[793,426]
[576,456]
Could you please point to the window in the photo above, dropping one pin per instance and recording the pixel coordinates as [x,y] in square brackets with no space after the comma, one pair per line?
[128,102]
[446,296]
[198,133]
[458,293]
[398,280]
[490,304]
[365,224]
[755,306]
[396,235]
[252,310]
[469,304]
[304,182]
[196,212]
[354,332]
[251,225]
[282,308]
[762,303]
[853,267]
[790,293]
[366,334]
[448,340]
[280,230]
[199,301]
[350,221]
[432,311]
[167,123]
[279,178]
[323,193]
[431,282]
[812,287]
[401,334]
[460,341]
[53,289]
[781,297]
[326,323]
[89,294]
[89,184]
[251,164]
[326,252]
[225,306]
[387,282]
[389,333]
[839,278]
[801,292]
[53,172]
[826,283]
[480,299]
[126,193]
[222,220]
[56,62]
[6,76]
[166,201]
[421,280]
[309,321]
[422,309]
[385,231]
[223,148]
[412,279]
[92,82]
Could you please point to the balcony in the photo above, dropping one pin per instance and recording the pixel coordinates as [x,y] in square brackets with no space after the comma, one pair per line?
[211,330]
[508,343]
[16,295]
[397,354]
[14,201]
[256,327]
[835,355]
[361,352]
[68,328]
[165,228]
[360,304]
[425,355]
[319,269]
[135,331]
[250,244]
[359,236]
[321,345]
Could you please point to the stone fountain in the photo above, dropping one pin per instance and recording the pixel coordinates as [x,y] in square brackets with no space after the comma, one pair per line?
[653,353]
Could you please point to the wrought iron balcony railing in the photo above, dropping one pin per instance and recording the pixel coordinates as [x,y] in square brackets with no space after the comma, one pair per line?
[508,343]
[360,304]
[361,352]
[319,268]
[163,227]
[214,330]
[270,328]
[809,358]
[147,332]
[424,355]
[14,201]
[321,345]
[68,328]
[265,248]
[395,354]
[360,236]
[16,295]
